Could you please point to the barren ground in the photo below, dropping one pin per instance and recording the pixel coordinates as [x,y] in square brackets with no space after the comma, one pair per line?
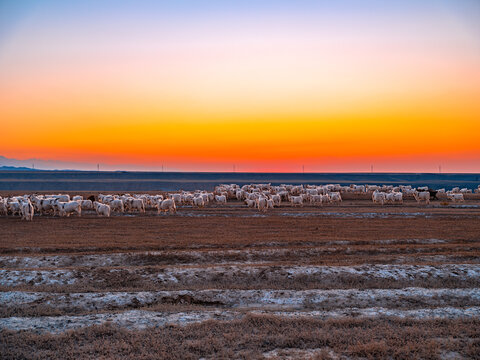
[349,281]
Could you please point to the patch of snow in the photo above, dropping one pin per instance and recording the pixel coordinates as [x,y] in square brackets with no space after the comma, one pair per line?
[133,319]
[295,353]
[247,298]
[187,274]
[434,313]
[36,277]
[411,241]
[358,215]
[141,319]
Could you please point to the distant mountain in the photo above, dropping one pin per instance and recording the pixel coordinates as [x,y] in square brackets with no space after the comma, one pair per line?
[59,165]
[39,164]
[10,168]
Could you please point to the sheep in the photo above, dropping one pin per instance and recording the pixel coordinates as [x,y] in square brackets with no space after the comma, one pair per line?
[47,205]
[422,196]
[378,197]
[117,205]
[316,199]
[398,197]
[277,199]
[167,205]
[135,204]
[85,204]
[3,207]
[27,210]
[61,198]
[240,195]
[176,197]
[335,197]
[270,204]
[296,200]
[67,208]
[102,209]
[456,197]
[199,201]
[14,207]
[221,199]
[262,204]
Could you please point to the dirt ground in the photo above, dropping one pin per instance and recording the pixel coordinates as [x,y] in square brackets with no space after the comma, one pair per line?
[346,281]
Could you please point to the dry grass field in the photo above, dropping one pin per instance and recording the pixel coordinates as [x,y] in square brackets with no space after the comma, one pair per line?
[352,281]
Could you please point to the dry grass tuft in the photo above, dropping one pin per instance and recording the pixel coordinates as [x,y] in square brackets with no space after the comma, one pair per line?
[253,336]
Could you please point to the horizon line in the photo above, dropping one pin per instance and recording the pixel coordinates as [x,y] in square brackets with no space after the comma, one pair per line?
[19,169]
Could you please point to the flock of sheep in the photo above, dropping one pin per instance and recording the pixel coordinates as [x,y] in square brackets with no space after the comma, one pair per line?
[259,196]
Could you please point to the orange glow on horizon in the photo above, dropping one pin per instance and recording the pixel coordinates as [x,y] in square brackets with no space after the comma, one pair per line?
[330,94]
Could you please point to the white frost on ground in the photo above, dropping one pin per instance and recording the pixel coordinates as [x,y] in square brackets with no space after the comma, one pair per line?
[394,272]
[188,274]
[56,261]
[295,353]
[434,313]
[360,215]
[407,297]
[466,206]
[141,319]
[133,319]
[411,241]
[37,277]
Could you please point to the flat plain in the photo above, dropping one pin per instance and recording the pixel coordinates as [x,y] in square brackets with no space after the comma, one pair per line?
[354,280]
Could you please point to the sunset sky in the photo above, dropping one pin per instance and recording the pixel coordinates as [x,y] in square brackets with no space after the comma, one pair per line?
[262,85]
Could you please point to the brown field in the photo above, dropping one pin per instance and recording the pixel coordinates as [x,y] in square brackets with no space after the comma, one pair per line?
[349,281]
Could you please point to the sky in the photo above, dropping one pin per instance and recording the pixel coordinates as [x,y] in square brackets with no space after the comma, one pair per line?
[256,85]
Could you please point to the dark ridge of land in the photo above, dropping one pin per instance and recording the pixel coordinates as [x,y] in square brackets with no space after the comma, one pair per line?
[15,168]
[40,180]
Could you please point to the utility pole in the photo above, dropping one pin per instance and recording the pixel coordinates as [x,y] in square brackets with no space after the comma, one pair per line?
[98,167]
